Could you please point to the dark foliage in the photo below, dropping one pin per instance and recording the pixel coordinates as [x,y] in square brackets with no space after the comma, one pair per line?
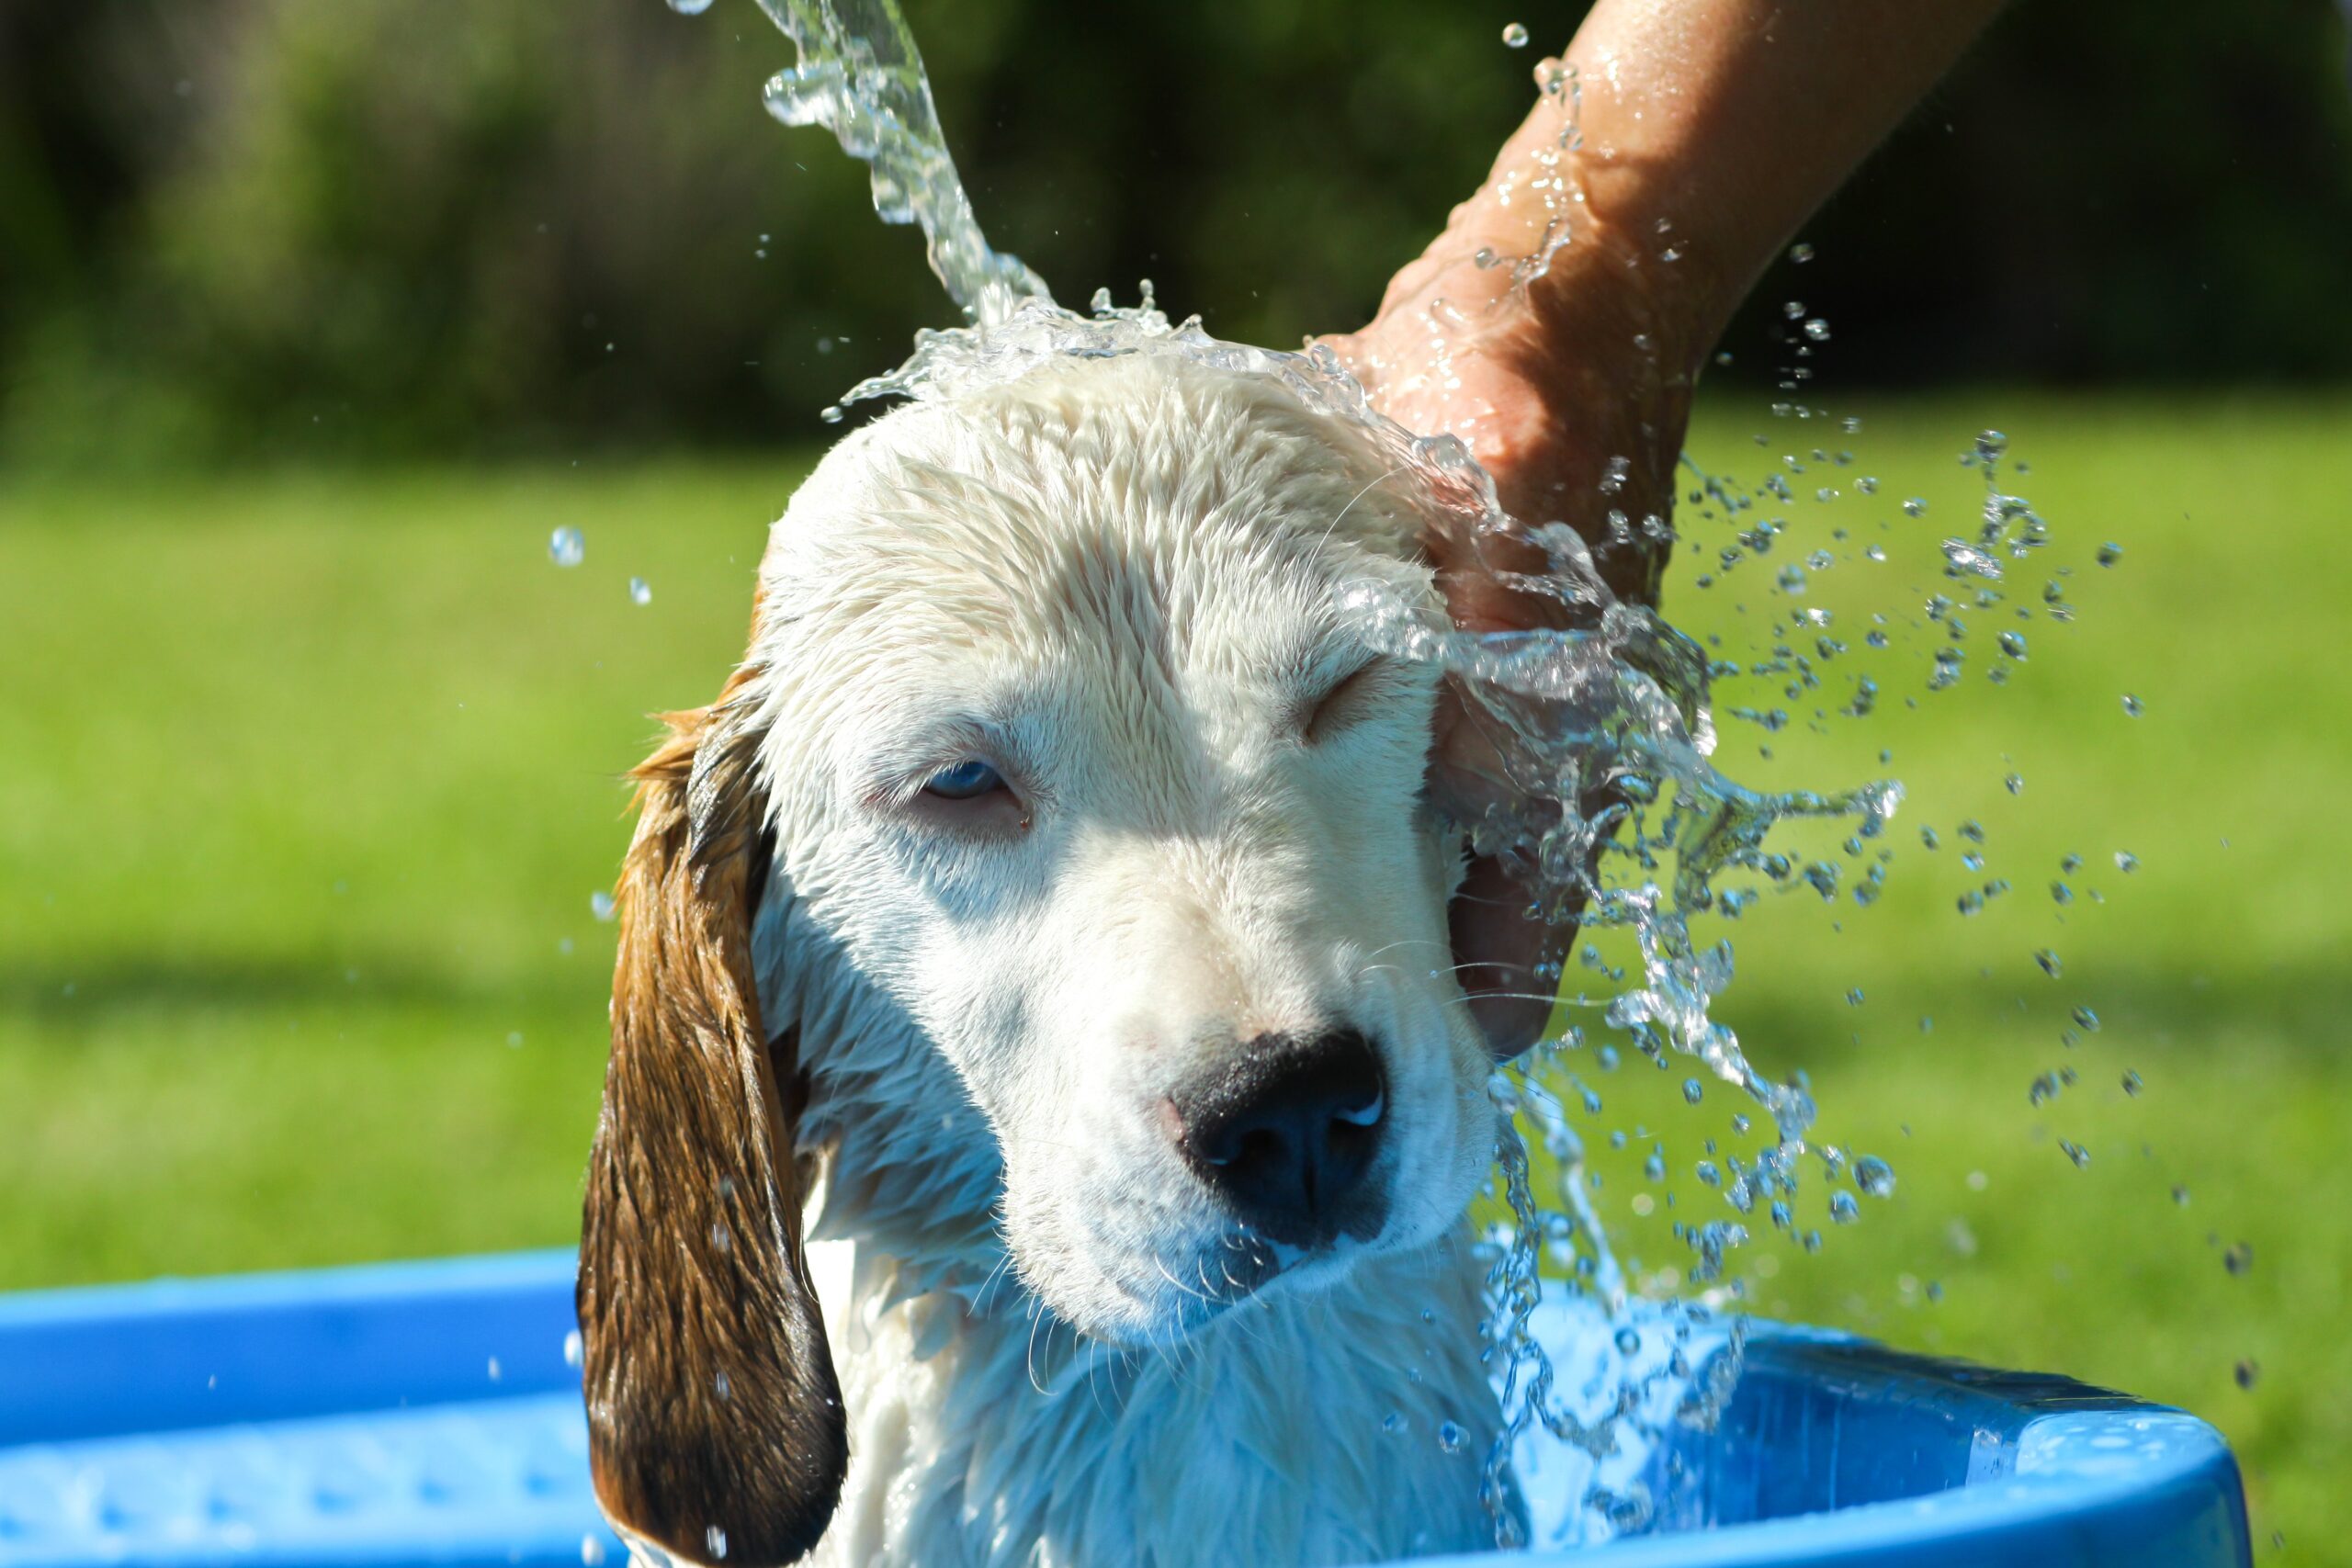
[233,228]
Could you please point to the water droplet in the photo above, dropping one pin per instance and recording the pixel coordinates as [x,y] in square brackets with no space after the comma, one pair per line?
[2075,1152]
[2013,644]
[2109,553]
[592,1552]
[2239,1259]
[831,414]
[1990,445]
[1854,997]
[690,7]
[2061,894]
[1915,507]
[572,1348]
[1628,1342]
[566,547]
[640,592]
[2014,782]
[721,1237]
[1514,35]
[600,904]
[2049,962]
[1486,258]
[496,1371]
[720,1386]
[715,1538]
[1843,1209]
[1800,253]
[1692,1090]
[1818,329]
[2133,705]
[2126,861]
[2132,1082]
[1450,1437]
[2248,1372]
[1874,1176]
[1393,1422]
[2087,1020]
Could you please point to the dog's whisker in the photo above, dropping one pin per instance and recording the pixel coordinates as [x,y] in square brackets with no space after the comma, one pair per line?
[1333,526]
[1168,1274]
[1402,942]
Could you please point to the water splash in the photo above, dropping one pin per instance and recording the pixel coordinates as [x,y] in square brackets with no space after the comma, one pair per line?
[1623,821]
[861,77]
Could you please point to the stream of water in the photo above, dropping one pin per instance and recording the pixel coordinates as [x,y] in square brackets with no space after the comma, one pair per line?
[1618,709]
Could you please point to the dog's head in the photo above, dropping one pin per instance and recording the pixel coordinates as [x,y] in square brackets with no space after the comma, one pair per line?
[1060,746]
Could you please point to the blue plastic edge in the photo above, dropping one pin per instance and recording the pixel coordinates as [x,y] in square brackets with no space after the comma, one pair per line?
[2090,1480]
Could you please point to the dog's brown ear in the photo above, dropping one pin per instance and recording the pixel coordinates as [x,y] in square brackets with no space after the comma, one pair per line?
[715,1422]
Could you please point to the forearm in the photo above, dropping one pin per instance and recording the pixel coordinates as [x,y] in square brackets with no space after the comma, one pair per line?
[1557,324]
[1711,130]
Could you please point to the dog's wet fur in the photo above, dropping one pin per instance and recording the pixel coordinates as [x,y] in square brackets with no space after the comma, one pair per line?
[958,1045]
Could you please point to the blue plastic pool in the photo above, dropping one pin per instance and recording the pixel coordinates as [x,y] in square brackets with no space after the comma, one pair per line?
[428,1413]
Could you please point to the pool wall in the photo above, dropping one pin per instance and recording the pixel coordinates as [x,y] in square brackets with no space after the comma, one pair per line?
[429,1413]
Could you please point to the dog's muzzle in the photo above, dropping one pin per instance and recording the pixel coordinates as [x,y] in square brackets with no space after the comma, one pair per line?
[1286,1133]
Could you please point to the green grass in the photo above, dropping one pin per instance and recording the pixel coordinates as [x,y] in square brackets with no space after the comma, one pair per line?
[305,782]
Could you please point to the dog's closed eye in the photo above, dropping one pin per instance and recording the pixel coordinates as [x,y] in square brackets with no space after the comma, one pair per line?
[1350,700]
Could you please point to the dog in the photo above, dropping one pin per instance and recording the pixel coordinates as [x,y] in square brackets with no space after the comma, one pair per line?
[1041,1111]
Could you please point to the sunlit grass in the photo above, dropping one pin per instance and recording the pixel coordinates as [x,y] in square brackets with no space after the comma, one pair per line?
[305,782]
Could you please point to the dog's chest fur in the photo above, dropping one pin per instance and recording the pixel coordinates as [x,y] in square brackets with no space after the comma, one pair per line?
[1301,1431]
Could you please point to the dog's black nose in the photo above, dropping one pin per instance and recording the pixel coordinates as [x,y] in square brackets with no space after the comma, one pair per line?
[1284,1131]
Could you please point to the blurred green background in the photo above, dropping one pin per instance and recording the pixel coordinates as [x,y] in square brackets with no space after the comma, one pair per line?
[315,321]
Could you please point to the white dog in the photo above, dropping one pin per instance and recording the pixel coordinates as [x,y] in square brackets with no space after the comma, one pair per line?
[1048,909]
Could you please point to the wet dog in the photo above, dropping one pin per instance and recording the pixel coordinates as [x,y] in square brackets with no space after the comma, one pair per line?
[1041,1110]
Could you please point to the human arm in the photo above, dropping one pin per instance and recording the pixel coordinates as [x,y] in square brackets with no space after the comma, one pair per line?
[1704,131]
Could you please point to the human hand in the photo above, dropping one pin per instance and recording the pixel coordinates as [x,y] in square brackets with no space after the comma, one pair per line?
[1564,387]
[1558,323]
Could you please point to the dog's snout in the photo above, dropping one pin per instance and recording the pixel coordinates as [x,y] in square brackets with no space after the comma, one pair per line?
[1285,1133]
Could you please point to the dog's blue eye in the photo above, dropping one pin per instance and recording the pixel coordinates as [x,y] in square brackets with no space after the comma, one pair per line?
[965,781]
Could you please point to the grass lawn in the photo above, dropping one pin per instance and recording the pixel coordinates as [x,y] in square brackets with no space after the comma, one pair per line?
[306,782]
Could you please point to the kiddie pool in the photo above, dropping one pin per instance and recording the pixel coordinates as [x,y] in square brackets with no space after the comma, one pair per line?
[427,1412]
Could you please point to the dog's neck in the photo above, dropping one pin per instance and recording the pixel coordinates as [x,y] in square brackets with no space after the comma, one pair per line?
[1300,1429]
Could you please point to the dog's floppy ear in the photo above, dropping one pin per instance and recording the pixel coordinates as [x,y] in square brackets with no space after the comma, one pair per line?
[715,1422]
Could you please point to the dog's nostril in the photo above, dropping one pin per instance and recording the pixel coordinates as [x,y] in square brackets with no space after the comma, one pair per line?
[1285,1131]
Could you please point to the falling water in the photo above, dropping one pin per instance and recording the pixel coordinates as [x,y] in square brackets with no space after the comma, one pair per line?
[861,78]
[1615,709]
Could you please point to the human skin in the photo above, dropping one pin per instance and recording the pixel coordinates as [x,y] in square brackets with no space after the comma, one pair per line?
[1560,320]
